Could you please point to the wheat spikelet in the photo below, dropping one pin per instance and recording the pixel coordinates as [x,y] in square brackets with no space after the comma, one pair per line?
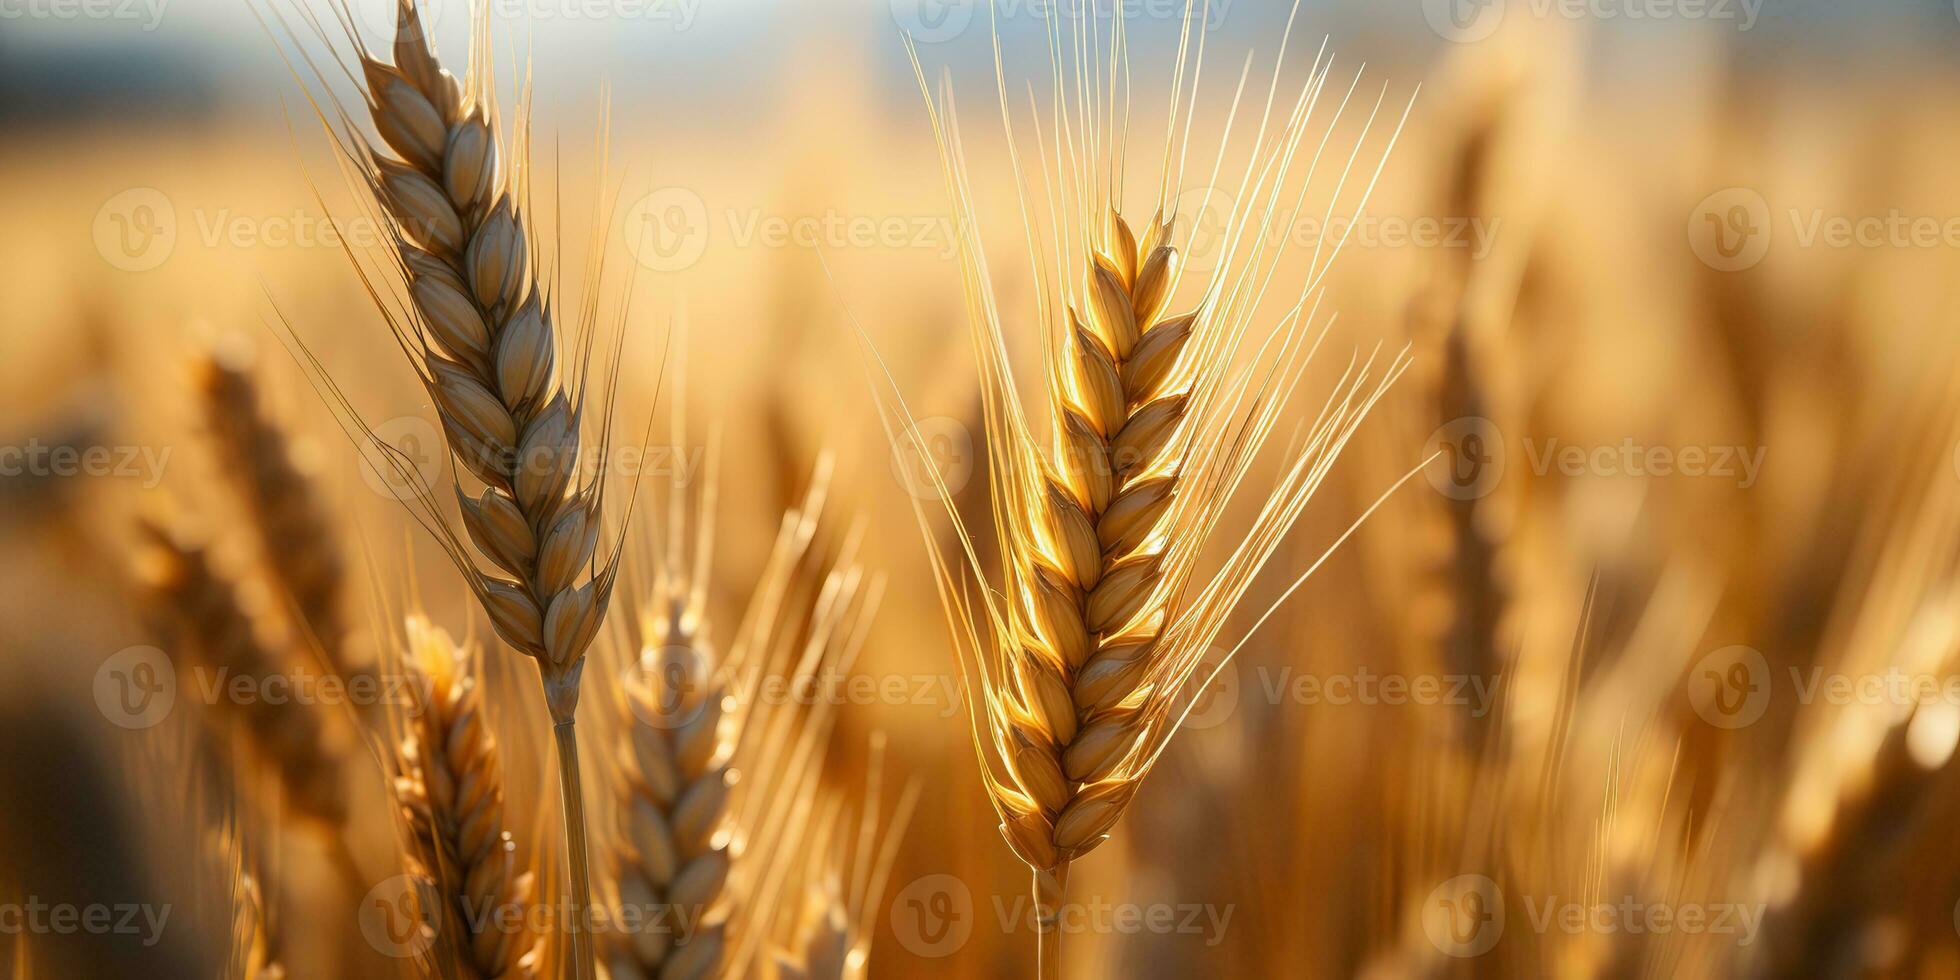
[1078,659]
[297,535]
[206,615]
[451,788]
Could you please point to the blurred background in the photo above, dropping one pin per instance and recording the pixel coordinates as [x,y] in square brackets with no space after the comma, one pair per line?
[1648,673]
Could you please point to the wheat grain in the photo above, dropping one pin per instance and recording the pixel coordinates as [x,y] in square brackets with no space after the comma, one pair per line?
[451,788]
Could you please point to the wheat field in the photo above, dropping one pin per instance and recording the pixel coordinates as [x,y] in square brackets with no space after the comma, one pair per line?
[969,488]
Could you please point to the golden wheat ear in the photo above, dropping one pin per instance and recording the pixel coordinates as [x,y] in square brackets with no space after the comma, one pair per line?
[712,773]
[1081,650]
[448,778]
[465,294]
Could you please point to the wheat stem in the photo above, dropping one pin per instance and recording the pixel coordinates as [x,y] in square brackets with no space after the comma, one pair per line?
[1050,887]
[573,798]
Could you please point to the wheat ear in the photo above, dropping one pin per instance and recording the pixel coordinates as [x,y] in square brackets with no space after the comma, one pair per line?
[484,342]
[206,615]
[693,716]
[677,771]
[452,791]
[1080,662]
[296,533]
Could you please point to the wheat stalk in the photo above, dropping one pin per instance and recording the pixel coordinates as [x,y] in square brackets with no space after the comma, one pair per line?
[451,788]
[1079,662]
[297,535]
[482,336]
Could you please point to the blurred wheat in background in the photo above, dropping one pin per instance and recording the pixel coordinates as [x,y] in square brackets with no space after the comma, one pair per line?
[1132,488]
